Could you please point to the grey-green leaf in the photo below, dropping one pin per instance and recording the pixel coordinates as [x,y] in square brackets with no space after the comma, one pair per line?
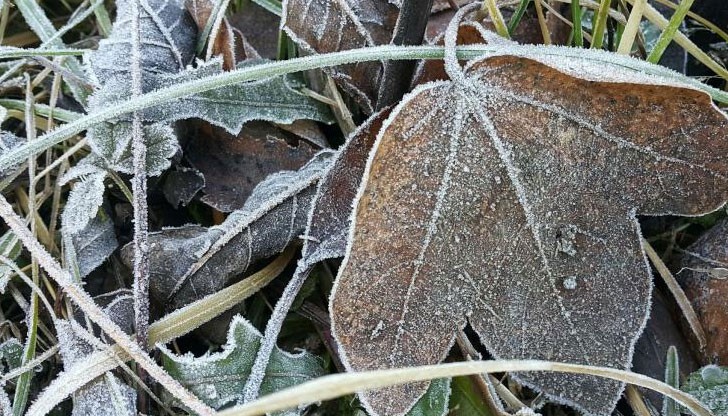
[95,243]
[218,378]
[84,199]
[167,37]
[710,386]
[435,401]
[276,99]
[112,141]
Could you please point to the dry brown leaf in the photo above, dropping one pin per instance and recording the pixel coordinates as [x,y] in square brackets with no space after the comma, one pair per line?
[705,279]
[507,199]
[233,166]
[321,26]
[201,10]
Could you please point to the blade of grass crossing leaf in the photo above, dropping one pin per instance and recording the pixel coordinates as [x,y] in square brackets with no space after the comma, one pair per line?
[337,385]
[672,377]
[517,16]
[576,20]
[272,6]
[600,24]
[677,292]
[632,27]
[496,17]
[183,321]
[266,70]
[669,32]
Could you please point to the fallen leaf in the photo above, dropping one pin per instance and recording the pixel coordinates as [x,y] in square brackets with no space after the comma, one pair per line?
[167,42]
[94,243]
[328,226]
[218,378]
[507,199]
[322,26]
[703,276]
[234,165]
[190,262]
[182,184]
[258,28]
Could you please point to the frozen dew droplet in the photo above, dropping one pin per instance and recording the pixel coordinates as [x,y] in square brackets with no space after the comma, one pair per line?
[570,283]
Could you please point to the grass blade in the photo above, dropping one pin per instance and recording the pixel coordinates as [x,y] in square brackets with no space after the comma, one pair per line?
[669,32]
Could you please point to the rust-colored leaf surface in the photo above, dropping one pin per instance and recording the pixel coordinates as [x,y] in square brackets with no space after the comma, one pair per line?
[507,200]
[703,277]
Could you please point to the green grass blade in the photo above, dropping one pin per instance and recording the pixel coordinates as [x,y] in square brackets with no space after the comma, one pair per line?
[517,16]
[272,6]
[672,378]
[600,24]
[576,20]
[669,33]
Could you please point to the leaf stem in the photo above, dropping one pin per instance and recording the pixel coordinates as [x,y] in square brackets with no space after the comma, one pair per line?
[272,329]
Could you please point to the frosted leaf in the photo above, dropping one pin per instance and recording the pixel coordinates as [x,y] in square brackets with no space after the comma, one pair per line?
[181,185]
[710,386]
[328,225]
[234,165]
[190,262]
[3,110]
[105,395]
[322,26]
[435,401]
[461,213]
[11,353]
[10,247]
[112,142]
[218,378]
[167,41]
[94,243]
[707,290]
[9,141]
[274,99]
[85,197]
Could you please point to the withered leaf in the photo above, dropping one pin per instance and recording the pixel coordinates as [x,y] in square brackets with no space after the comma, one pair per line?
[191,262]
[328,226]
[234,165]
[322,26]
[703,277]
[507,199]
[201,11]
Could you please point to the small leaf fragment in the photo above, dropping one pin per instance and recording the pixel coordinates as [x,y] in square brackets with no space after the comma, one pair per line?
[710,386]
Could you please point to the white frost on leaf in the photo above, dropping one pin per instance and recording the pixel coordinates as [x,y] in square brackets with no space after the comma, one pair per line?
[84,199]
[218,378]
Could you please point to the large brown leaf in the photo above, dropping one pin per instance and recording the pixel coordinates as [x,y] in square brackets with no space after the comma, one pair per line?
[507,199]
